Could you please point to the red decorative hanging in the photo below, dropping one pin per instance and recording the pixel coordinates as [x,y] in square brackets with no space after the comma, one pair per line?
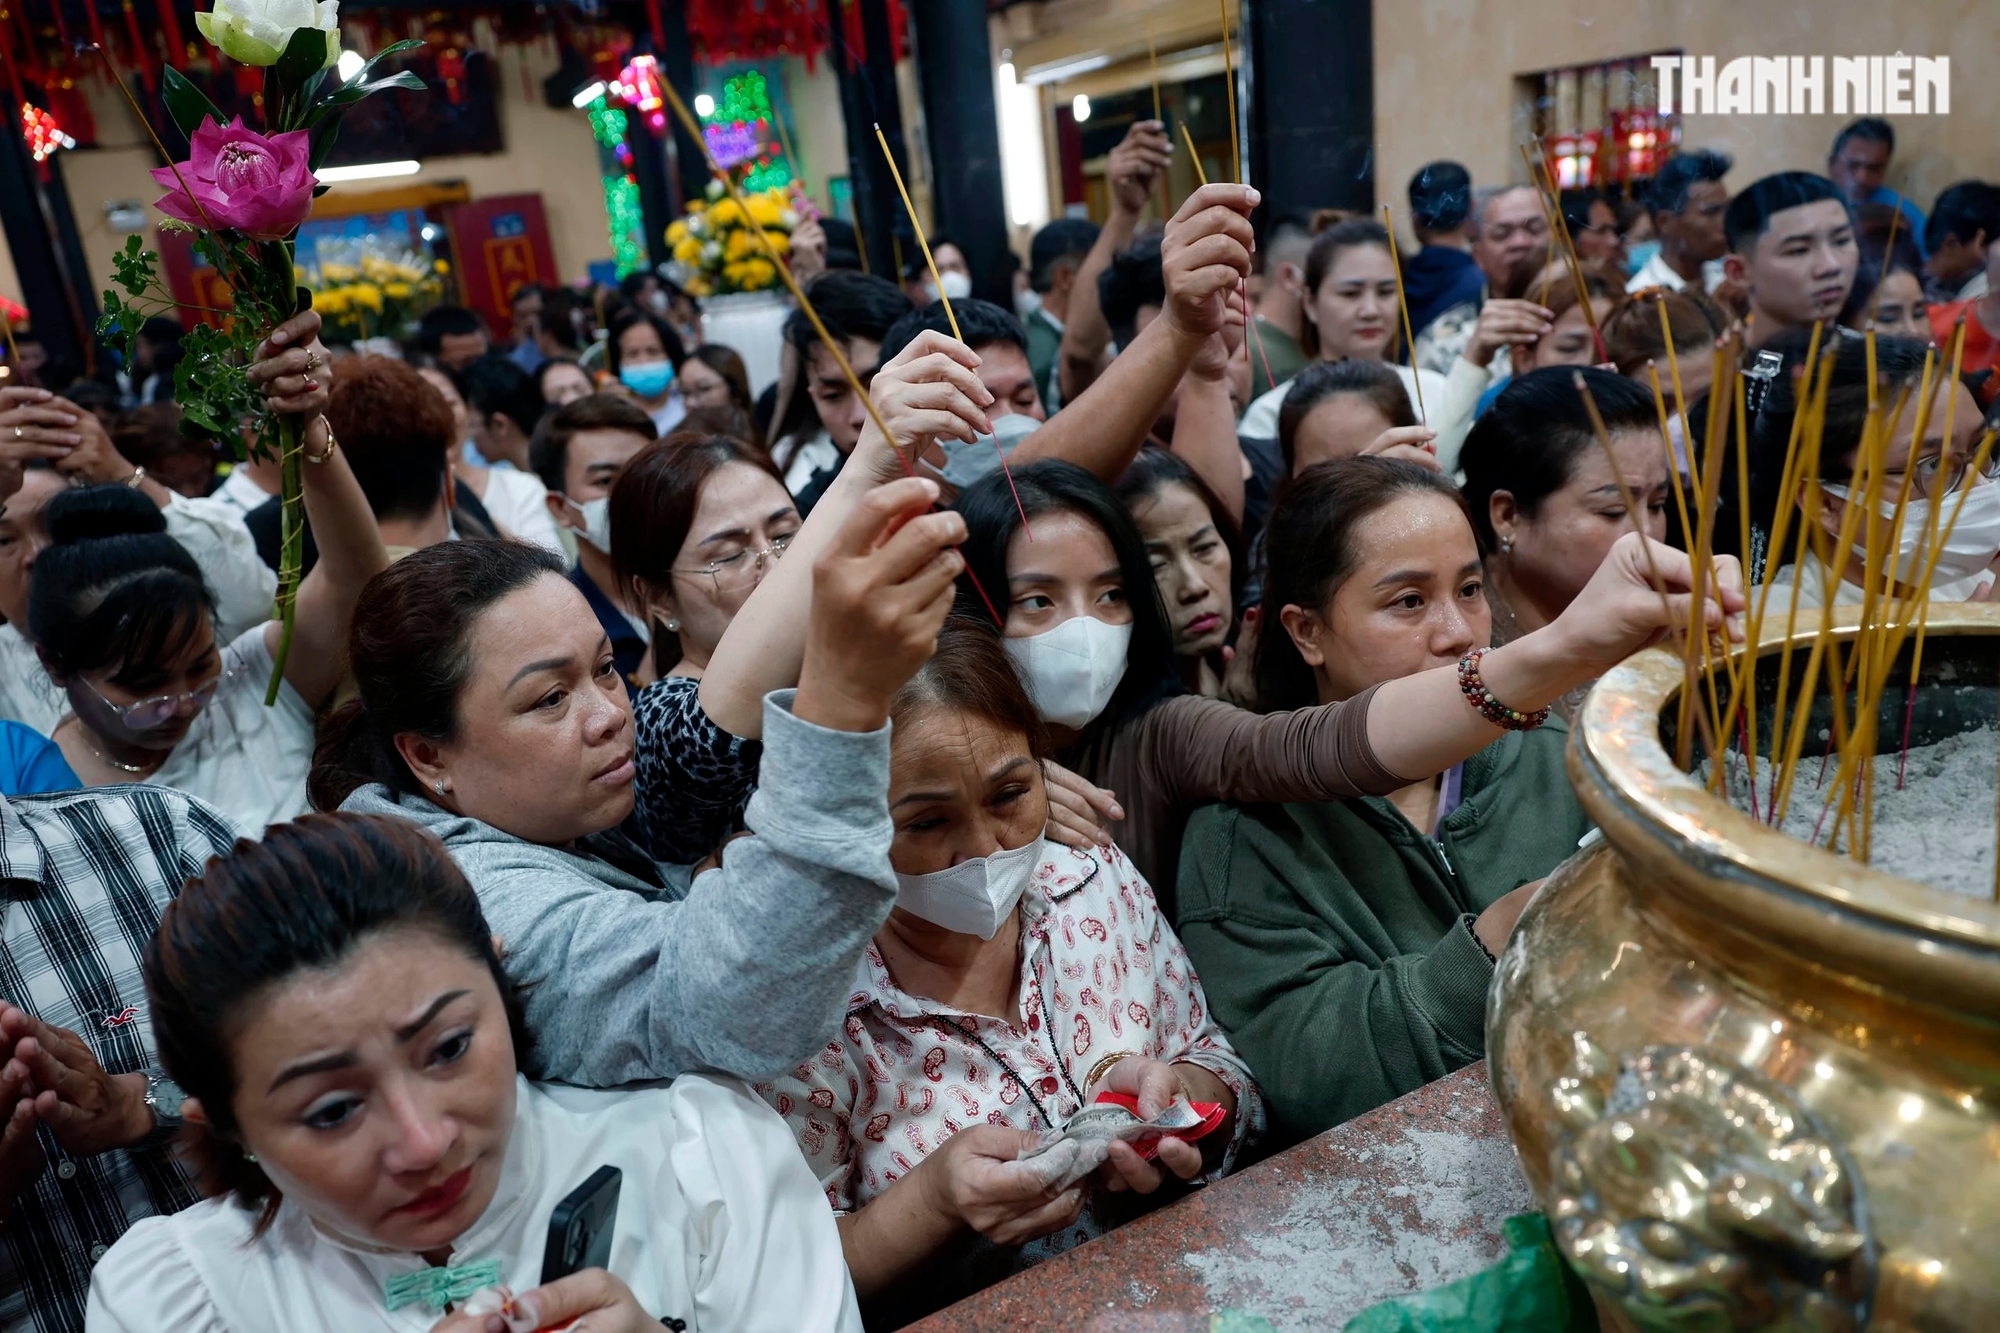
[142,58]
[170,24]
[727,31]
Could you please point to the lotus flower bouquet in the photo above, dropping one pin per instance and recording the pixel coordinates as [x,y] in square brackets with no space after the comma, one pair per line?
[242,193]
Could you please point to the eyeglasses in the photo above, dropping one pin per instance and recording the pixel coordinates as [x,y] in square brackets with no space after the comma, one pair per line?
[743,568]
[149,713]
[1932,479]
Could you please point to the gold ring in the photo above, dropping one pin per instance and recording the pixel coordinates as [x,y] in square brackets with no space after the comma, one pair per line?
[312,359]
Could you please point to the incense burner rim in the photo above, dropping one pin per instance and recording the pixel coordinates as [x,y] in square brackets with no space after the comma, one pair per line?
[1645,804]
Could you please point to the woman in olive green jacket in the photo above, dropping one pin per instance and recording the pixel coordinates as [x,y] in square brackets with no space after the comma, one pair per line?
[1348,946]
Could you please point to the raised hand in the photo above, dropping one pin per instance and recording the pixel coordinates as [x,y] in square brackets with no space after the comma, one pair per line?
[1205,254]
[1136,163]
[930,390]
[292,368]
[1620,611]
[21,1159]
[1504,323]
[807,257]
[1412,444]
[881,592]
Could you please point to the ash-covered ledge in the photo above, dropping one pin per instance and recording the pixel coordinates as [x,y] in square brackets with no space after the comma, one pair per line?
[1397,1201]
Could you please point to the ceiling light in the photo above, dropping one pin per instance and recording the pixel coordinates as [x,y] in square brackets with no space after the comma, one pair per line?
[587,94]
[368,171]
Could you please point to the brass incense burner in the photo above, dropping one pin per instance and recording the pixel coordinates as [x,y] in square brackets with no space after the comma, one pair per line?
[1756,1084]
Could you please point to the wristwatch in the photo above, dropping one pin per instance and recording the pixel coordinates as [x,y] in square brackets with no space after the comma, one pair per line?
[164,1098]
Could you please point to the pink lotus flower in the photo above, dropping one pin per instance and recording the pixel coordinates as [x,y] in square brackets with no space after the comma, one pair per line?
[240,179]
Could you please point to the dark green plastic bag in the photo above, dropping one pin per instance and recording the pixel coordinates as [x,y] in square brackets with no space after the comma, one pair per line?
[1531,1290]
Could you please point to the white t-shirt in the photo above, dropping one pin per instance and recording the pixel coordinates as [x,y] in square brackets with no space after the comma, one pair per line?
[243,586]
[719,1223]
[246,760]
[27,695]
[518,502]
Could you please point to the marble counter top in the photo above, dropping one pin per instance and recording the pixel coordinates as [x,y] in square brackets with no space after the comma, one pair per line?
[1400,1200]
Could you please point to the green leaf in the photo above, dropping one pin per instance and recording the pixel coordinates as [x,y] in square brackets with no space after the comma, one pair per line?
[304,58]
[323,135]
[187,104]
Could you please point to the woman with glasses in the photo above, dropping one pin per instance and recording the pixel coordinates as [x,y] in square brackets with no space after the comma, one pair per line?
[698,524]
[1944,491]
[123,620]
[697,521]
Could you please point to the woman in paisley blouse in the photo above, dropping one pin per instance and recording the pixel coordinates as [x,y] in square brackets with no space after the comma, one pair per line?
[1014,981]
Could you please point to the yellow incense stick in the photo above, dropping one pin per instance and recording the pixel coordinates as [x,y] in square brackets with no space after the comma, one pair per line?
[1633,512]
[1403,304]
[1193,157]
[826,338]
[918,227]
[1229,84]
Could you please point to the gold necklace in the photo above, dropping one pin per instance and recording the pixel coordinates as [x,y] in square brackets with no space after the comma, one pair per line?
[83,734]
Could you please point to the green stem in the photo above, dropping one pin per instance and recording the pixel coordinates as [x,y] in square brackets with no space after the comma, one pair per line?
[291,513]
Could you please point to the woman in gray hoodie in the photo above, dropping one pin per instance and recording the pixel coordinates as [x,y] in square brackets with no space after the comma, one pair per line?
[490,712]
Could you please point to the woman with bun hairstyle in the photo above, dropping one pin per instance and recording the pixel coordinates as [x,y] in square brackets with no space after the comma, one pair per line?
[123,621]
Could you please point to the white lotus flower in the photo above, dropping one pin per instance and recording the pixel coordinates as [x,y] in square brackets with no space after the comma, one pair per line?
[256,32]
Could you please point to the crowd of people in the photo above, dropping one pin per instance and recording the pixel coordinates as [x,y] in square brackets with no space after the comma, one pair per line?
[809,802]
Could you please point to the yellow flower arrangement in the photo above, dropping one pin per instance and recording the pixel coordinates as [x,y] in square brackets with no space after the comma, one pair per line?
[715,249]
[364,291]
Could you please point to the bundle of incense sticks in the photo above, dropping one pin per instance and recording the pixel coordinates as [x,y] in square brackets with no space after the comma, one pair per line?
[1719,697]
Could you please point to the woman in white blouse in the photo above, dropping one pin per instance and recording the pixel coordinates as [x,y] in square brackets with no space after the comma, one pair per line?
[1015,980]
[332,1006]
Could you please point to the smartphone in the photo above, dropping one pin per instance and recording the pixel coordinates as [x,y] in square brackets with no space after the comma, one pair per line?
[580,1227]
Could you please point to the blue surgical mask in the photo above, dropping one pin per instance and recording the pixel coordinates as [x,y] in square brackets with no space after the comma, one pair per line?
[966,463]
[648,379]
[1640,255]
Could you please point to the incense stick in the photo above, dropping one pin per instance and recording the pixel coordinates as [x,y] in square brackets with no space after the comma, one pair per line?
[1193,156]
[1229,83]
[1888,254]
[1632,512]
[917,225]
[1403,304]
[826,338]
[791,156]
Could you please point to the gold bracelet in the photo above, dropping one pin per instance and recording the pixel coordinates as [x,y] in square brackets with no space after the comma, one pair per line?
[1101,1068]
[332,443]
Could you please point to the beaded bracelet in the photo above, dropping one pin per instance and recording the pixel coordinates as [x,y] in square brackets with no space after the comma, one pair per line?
[1490,708]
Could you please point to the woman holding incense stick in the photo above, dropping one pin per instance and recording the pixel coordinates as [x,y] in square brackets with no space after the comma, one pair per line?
[1950,535]
[1086,628]
[1349,944]
[1545,499]
[1351,313]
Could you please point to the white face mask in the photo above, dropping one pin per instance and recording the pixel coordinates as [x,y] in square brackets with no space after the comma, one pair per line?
[1027,301]
[1974,540]
[596,520]
[956,285]
[1072,670]
[972,897]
